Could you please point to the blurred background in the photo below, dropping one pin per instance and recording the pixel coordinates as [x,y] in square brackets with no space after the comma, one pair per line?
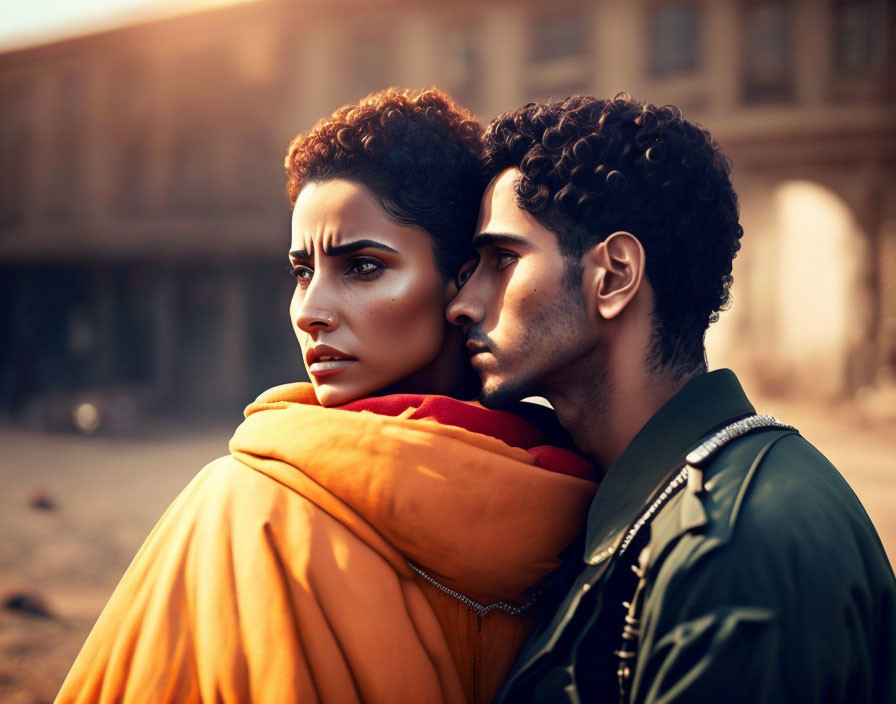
[144,228]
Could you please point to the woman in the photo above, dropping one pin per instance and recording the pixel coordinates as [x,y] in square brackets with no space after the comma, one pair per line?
[369,538]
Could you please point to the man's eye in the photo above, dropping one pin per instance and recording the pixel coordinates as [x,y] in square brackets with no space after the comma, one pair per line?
[364,267]
[503,258]
[466,271]
[301,273]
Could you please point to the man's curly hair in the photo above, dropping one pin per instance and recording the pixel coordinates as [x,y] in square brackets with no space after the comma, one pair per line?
[594,167]
[418,152]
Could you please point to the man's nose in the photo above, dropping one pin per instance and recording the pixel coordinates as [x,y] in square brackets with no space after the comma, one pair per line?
[465,308]
[315,314]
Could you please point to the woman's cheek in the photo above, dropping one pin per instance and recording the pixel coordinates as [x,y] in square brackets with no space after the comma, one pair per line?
[295,303]
[409,326]
[429,324]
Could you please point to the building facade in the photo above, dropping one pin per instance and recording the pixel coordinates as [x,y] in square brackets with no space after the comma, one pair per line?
[143,222]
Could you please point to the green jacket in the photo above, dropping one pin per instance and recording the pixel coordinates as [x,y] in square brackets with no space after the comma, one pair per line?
[768,584]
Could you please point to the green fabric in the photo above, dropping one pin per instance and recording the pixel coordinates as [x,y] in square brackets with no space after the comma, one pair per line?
[708,402]
[771,585]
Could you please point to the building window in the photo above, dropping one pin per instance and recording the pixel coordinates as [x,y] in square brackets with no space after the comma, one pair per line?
[860,42]
[16,148]
[461,64]
[675,38]
[63,197]
[370,64]
[559,50]
[203,88]
[134,123]
[558,36]
[767,51]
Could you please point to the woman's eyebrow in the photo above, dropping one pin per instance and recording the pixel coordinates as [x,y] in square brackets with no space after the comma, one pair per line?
[344,249]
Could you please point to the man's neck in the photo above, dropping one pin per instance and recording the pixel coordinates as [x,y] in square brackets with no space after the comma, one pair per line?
[604,414]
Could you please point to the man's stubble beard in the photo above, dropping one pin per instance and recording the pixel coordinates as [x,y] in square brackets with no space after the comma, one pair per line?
[552,332]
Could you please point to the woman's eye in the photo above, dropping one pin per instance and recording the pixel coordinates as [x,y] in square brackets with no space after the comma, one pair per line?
[466,271]
[364,267]
[301,273]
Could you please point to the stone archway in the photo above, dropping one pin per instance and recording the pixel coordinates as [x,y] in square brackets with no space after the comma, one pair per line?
[822,306]
[801,305]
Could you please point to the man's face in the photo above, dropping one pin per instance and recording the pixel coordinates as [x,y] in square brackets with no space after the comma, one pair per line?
[526,322]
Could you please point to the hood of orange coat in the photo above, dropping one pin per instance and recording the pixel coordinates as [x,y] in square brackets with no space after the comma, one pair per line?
[474,512]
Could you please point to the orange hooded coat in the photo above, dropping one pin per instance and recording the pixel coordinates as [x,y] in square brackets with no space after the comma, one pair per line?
[281,575]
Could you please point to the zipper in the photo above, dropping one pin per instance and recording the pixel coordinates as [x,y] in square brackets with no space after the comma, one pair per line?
[479,609]
[475,658]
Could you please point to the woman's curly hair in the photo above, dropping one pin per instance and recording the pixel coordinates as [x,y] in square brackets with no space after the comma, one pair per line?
[593,167]
[418,152]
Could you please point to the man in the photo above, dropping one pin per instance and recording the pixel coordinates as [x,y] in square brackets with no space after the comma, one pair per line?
[744,571]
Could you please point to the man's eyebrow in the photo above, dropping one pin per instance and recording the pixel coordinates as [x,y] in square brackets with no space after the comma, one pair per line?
[484,239]
[346,248]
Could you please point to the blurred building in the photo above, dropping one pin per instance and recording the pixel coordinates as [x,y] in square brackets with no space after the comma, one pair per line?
[143,226]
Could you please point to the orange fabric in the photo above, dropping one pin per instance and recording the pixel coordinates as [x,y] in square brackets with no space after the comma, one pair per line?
[280,573]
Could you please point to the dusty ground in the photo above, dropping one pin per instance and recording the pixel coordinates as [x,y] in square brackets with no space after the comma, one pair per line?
[100,497]
[107,493]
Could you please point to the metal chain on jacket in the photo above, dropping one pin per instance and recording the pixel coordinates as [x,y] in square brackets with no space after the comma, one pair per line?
[695,463]
[691,475]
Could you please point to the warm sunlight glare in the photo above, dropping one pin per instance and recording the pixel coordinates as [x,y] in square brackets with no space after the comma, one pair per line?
[40,21]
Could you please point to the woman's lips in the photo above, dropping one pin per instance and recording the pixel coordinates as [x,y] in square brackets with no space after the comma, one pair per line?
[328,367]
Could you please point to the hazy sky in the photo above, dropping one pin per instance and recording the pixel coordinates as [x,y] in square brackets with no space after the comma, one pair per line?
[27,22]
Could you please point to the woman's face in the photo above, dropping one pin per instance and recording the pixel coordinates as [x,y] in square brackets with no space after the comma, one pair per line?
[368,307]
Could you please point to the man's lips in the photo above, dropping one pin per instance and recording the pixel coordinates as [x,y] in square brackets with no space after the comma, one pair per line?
[474,348]
[479,355]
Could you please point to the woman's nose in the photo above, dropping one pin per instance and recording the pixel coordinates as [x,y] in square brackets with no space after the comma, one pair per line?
[314,311]
[310,319]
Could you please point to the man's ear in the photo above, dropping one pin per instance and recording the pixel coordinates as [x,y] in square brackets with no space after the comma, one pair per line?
[612,273]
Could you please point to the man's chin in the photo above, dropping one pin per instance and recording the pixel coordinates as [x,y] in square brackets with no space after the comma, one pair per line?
[501,394]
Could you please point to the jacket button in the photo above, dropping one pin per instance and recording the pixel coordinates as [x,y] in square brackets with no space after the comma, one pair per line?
[599,557]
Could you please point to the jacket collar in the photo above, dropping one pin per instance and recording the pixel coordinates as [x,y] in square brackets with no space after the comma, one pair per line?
[707,402]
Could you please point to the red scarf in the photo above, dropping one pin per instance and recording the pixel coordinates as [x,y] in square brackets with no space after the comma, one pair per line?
[502,425]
